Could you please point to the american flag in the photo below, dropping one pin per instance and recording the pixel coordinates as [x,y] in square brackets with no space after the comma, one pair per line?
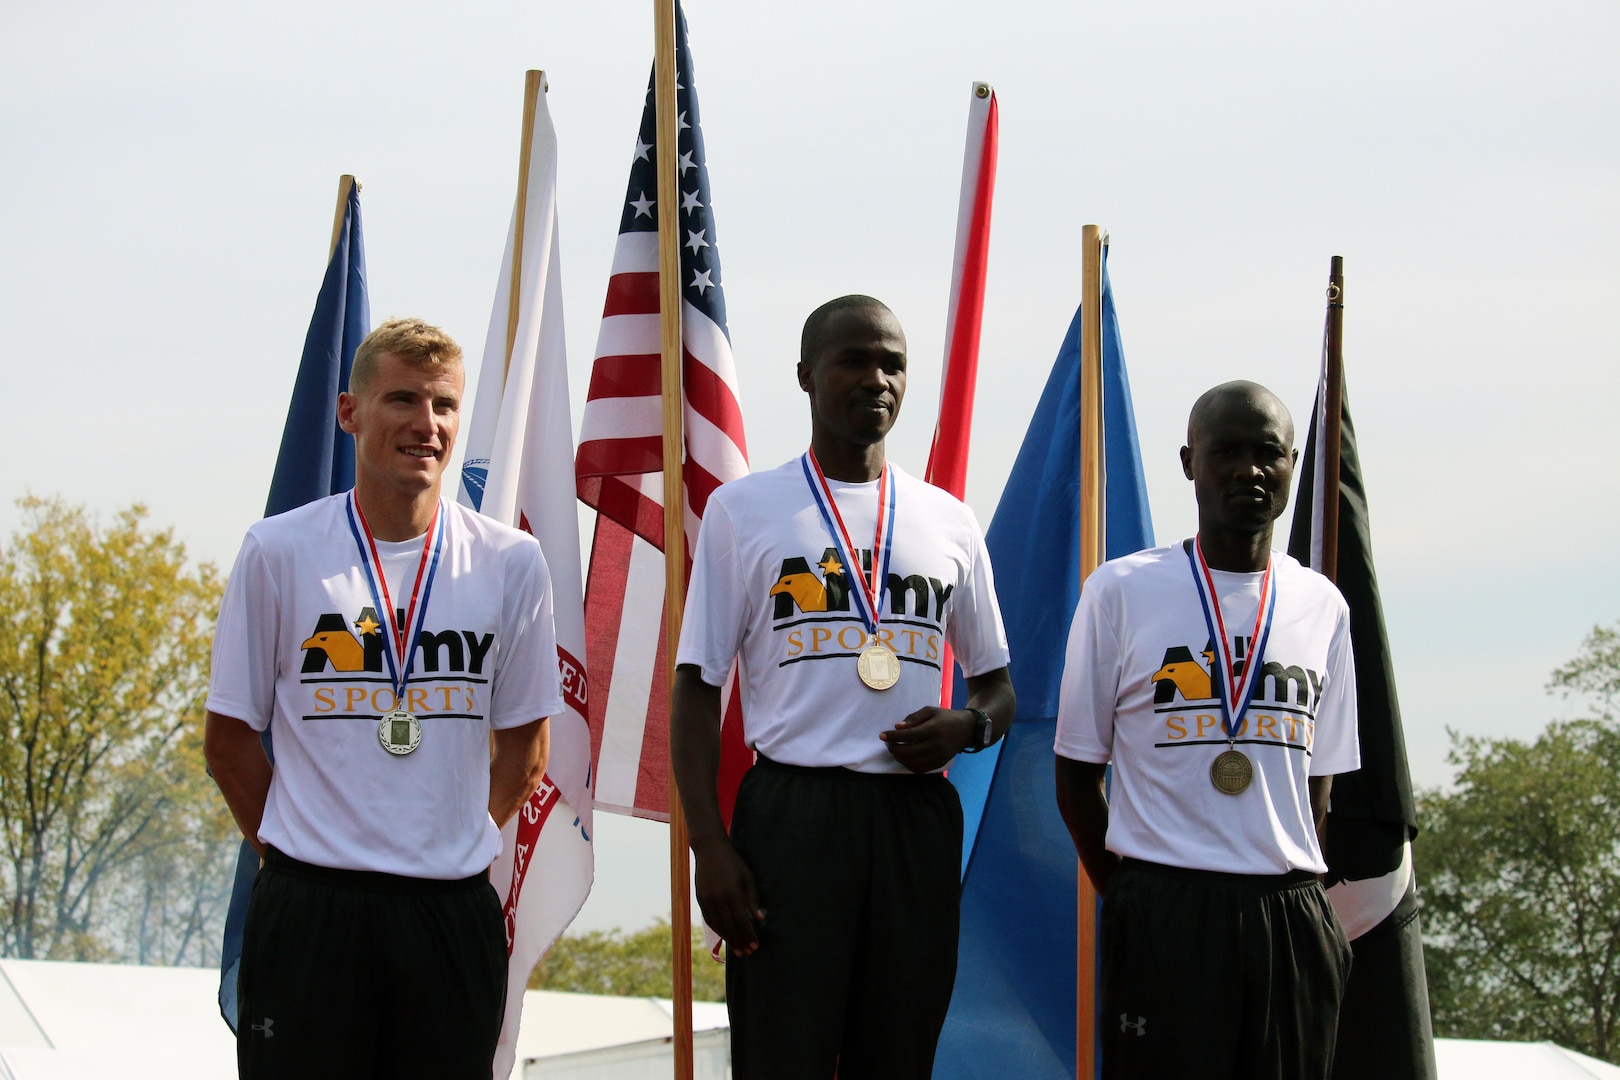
[619,468]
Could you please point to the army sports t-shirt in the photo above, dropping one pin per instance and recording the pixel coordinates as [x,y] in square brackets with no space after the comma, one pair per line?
[298,649]
[769,587]
[1137,691]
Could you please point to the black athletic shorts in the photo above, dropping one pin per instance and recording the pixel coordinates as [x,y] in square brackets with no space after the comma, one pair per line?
[1219,976]
[354,975]
[859,876]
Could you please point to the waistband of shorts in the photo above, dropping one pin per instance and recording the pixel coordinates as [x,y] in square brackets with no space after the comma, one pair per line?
[367,880]
[1252,882]
[841,772]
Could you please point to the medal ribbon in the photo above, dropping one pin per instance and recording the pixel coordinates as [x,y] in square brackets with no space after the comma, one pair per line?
[869,597]
[1235,692]
[400,641]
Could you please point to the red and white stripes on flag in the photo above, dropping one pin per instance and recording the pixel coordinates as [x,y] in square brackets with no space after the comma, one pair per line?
[518,470]
[619,467]
[948,456]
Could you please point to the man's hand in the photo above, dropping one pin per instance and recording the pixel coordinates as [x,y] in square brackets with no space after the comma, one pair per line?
[928,738]
[725,894]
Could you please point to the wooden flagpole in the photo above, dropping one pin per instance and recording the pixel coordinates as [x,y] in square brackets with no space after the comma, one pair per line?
[534,84]
[1333,419]
[669,325]
[1093,480]
[345,183]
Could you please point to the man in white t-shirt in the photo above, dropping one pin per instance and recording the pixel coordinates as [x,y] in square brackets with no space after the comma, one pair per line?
[400,650]
[1216,675]
[838,583]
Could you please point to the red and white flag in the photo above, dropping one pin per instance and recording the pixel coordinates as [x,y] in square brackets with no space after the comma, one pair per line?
[948,456]
[620,469]
[519,470]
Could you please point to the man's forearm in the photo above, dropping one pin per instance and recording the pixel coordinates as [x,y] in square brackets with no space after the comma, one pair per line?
[1085,811]
[237,762]
[694,739]
[517,764]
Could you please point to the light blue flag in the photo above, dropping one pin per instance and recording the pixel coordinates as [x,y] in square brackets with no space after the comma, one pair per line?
[1013,1012]
[316,460]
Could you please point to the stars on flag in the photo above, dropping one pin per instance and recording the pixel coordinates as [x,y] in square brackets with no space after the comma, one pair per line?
[690,201]
[695,240]
[644,206]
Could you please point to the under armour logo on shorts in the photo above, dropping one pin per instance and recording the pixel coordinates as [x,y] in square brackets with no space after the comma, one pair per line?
[265,1027]
[1127,1025]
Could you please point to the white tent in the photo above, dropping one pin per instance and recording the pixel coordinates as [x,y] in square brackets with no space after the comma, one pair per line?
[61,1021]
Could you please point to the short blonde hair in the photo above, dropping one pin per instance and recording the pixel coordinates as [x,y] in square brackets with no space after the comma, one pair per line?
[412,340]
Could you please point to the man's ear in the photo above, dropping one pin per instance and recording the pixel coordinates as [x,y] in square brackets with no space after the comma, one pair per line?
[1186,461]
[345,411]
[804,376]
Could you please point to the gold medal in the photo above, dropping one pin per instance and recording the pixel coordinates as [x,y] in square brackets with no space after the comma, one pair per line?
[1231,772]
[399,732]
[877,666]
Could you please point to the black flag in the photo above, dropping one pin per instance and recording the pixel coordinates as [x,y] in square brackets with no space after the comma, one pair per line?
[1384,1028]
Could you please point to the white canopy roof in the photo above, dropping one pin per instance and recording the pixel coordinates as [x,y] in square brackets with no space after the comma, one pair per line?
[62,1021]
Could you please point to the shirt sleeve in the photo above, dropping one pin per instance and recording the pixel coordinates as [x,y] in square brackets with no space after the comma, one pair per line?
[1336,746]
[1090,689]
[526,686]
[975,630]
[242,673]
[717,603]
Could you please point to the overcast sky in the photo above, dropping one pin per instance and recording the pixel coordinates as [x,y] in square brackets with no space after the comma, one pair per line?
[169,172]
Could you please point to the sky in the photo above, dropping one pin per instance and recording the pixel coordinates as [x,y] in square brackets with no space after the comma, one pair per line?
[169,172]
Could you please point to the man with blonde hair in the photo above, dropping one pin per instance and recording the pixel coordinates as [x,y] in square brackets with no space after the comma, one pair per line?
[400,649]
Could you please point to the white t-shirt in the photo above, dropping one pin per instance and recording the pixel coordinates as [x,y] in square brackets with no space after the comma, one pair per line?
[298,649]
[767,586]
[1137,691]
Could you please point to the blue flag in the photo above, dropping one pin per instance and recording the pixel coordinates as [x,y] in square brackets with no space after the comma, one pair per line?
[316,460]
[1013,1013]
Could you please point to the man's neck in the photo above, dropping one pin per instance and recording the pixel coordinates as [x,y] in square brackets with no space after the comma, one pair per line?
[1237,552]
[393,517]
[847,462]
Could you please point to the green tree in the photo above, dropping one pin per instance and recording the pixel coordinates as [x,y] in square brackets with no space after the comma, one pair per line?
[626,965]
[104,640]
[1520,873]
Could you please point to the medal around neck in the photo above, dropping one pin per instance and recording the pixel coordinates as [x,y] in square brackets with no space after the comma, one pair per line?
[876,664]
[399,732]
[1232,772]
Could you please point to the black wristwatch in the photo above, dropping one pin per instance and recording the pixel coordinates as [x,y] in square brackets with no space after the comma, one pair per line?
[984,731]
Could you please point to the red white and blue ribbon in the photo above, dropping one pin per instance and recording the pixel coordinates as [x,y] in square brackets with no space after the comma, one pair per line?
[399,645]
[1235,691]
[869,595]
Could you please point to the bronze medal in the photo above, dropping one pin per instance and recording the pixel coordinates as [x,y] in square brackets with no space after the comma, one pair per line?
[1231,772]
[877,666]
[399,732]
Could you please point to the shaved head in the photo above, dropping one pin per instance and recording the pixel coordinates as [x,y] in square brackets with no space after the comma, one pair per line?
[1238,396]
[815,325]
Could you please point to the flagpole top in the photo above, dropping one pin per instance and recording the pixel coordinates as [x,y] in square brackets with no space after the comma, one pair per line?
[983,89]
[537,76]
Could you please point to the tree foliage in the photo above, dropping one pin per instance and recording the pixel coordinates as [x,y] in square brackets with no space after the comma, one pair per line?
[626,965]
[111,837]
[1520,872]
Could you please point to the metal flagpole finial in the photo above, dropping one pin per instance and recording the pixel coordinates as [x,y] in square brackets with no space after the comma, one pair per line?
[982,89]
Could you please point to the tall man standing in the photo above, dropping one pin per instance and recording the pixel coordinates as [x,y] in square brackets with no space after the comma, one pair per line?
[400,648]
[1216,675]
[837,580]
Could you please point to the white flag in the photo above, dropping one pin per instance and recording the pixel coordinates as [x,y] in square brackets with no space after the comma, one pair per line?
[520,470]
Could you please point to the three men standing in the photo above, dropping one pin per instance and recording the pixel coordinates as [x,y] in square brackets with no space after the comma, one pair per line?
[401,650]
[1221,955]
